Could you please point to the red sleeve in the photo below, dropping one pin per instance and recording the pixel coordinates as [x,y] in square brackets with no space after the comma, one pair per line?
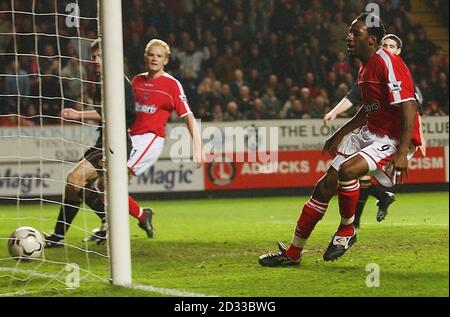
[134,82]
[181,104]
[398,78]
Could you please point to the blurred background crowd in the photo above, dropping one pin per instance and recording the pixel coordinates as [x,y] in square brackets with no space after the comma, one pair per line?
[236,59]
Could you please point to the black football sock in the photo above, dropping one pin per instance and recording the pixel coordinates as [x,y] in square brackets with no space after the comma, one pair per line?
[363,195]
[94,199]
[66,215]
[377,192]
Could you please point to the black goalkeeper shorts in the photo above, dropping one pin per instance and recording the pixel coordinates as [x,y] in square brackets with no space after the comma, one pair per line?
[94,155]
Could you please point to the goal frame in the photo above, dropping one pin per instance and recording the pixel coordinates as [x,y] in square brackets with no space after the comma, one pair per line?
[113,101]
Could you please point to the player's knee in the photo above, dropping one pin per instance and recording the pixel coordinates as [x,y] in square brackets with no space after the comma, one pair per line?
[322,184]
[327,184]
[346,173]
[71,193]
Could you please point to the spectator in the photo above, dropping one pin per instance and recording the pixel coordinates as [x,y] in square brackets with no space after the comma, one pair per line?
[271,103]
[192,58]
[226,95]
[73,87]
[238,82]
[232,113]
[310,83]
[433,109]
[441,91]
[297,111]
[340,93]
[305,97]
[338,27]
[255,60]
[162,19]
[217,113]
[319,108]
[341,67]
[202,113]
[255,80]
[226,65]
[244,99]
[257,112]
[15,74]
[240,29]
[259,15]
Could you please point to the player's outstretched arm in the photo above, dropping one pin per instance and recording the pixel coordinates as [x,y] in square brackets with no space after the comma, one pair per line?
[72,114]
[196,140]
[341,107]
[353,97]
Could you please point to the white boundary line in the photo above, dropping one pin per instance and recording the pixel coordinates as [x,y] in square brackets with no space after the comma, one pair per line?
[142,287]
[168,291]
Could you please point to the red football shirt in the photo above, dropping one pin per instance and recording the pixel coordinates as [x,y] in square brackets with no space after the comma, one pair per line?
[385,82]
[156,98]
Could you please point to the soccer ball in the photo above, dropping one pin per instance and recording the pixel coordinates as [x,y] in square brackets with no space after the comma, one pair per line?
[25,243]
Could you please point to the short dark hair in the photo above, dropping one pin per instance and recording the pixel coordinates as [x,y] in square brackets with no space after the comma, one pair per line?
[376,28]
[394,38]
[95,45]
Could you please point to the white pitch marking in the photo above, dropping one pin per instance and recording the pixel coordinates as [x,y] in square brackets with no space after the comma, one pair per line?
[142,287]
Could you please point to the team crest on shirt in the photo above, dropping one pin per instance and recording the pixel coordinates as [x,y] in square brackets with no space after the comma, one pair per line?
[372,107]
[145,96]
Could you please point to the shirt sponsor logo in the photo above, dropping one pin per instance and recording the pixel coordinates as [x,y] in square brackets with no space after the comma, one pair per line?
[372,107]
[150,109]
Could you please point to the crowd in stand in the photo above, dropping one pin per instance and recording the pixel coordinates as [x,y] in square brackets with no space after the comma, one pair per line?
[236,59]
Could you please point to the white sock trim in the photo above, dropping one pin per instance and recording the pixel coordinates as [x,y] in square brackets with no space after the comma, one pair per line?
[347,221]
[298,242]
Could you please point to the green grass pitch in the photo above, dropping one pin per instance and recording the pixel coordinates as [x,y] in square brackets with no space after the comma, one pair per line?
[211,247]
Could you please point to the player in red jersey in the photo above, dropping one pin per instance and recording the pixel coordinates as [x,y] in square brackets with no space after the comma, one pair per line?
[85,181]
[388,134]
[393,44]
[157,95]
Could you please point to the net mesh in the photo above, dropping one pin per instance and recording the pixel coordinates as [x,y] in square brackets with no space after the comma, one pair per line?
[46,67]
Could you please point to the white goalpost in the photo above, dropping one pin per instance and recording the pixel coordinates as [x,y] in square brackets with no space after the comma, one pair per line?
[116,148]
[45,67]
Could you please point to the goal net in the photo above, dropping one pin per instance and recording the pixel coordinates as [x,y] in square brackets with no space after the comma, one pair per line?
[45,68]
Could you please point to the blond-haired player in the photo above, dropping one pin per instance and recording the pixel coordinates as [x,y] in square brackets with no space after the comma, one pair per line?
[157,95]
